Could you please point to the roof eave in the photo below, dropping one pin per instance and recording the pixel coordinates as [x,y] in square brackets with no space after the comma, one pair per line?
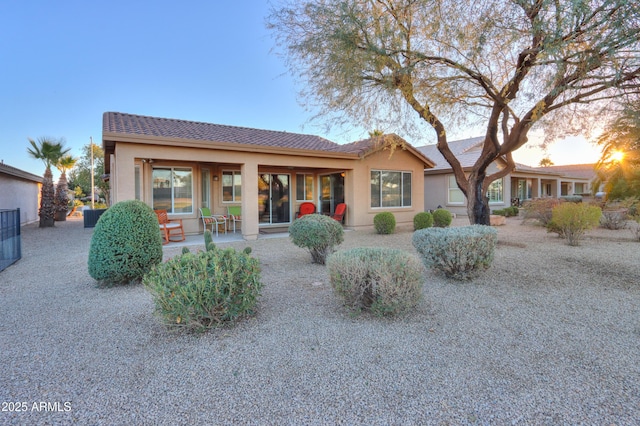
[225,146]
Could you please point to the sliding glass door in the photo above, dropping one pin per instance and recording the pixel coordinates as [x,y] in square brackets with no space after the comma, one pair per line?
[331,192]
[273,198]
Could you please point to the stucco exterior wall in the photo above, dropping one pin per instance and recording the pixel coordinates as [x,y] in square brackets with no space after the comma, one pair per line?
[361,189]
[356,171]
[22,194]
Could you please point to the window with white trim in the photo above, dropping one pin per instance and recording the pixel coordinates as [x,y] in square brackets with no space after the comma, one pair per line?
[304,187]
[456,196]
[206,188]
[495,192]
[173,189]
[231,186]
[390,188]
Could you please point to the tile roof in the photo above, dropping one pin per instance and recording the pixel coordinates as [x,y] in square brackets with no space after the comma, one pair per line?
[468,150]
[138,125]
[583,171]
[462,149]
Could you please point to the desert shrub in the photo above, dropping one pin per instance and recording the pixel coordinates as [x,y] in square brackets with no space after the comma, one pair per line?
[125,244]
[614,219]
[635,228]
[317,233]
[507,211]
[384,223]
[632,204]
[198,291]
[572,198]
[442,218]
[422,220]
[540,209]
[460,253]
[574,219]
[381,280]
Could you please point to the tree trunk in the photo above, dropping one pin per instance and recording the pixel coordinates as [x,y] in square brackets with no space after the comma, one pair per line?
[478,203]
[47,207]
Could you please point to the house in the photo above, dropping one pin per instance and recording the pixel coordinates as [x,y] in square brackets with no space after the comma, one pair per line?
[576,179]
[21,190]
[182,166]
[523,183]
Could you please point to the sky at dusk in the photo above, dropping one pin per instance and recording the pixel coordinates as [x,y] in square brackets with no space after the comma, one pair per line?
[66,62]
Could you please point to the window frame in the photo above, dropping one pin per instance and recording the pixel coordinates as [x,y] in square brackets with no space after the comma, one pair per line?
[235,198]
[501,191]
[403,191]
[172,171]
[454,189]
[305,187]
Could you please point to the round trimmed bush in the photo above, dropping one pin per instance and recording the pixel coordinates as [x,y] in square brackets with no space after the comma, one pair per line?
[384,223]
[442,218]
[126,243]
[382,280]
[318,233]
[422,220]
[460,253]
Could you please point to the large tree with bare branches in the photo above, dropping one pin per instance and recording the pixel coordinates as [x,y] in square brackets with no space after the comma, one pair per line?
[511,64]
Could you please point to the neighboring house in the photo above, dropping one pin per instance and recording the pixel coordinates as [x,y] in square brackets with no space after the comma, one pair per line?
[20,189]
[182,165]
[576,179]
[523,183]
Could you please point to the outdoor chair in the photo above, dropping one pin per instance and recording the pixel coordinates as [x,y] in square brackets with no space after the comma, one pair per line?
[338,214]
[169,227]
[305,208]
[235,215]
[217,221]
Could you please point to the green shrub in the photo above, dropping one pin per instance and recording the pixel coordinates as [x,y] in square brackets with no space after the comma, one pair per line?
[572,198]
[540,209]
[442,218]
[382,280]
[317,233]
[384,223]
[574,219]
[422,220]
[507,211]
[126,243]
[202,290]
[460,253]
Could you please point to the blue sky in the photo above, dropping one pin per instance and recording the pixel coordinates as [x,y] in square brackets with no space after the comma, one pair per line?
[66,62]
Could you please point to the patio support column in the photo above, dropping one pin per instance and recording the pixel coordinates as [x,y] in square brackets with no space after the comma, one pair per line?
[250,218]
[537,192]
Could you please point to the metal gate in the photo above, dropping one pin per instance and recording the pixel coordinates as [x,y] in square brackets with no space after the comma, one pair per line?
[10,244]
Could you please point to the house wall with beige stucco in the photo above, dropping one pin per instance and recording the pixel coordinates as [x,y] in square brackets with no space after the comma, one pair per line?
[134,162]
[399,160]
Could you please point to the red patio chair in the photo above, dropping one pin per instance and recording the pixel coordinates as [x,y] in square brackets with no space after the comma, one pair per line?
[338,214]
[306,208]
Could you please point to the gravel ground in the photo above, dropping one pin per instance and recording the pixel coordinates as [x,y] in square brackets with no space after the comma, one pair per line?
[549,335]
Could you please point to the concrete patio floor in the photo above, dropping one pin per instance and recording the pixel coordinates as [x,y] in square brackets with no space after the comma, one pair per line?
[221,238]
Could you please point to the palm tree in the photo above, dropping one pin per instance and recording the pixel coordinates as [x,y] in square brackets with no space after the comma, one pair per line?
[61,202]
[545,162]
[50,152]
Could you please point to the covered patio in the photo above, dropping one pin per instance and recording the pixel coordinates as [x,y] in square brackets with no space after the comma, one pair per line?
[182,166]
